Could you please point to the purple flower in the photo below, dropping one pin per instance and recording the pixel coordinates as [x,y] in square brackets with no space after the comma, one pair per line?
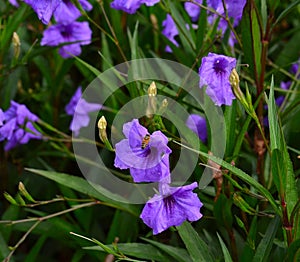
[79,33]
[17,127]
[234,8]
[147,156]
[79,108]
[131,6]
[193,10]
[170,31]
[67,12]
[214,73]
[198,125]
[171,207]
[14,3]
[44,8]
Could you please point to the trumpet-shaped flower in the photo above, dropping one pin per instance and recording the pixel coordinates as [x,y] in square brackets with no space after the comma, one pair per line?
[214,73]
[131,6]
[171,207]
[67,12]
[79,109]
[17,127]
[147,156]
[44,8]
[198,125]
[75,33]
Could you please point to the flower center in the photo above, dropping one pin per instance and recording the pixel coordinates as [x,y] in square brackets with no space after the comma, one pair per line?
[66,31]
[220,66]
[169,203]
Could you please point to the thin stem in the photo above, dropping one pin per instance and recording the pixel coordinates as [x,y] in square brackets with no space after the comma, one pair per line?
[116,41]
[40,219]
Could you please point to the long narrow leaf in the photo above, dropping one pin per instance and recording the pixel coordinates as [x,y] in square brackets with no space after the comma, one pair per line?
[196,247]
[265,245]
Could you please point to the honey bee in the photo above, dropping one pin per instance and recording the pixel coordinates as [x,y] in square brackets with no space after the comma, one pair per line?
[145,141]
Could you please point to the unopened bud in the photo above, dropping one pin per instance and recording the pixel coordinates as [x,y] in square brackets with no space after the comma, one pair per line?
[235,84]
[152,90]
[17,45]
[165,103]
[245,100]
[234,78]
[163,106]
[10,199]
[25,193]
[102,124]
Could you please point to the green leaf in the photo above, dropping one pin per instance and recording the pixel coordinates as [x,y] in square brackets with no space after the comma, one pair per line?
[119,228]
[141,251]
[226,253]
[251,36]
[81,185]
[249,248]
[107,61]
[79,62]
[202,24]
[196,247]
[230,120]
[11,26]
[282,167]
[36,250]
[265,245]
[264,13]
[179,254]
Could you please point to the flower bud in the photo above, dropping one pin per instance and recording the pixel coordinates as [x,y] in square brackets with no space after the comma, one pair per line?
[17,45]
[152,92]
[163,106]
[102,124]
[235,85]
[25,193]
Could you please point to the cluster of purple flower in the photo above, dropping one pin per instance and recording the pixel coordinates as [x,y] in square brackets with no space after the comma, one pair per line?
[147,157]
[234,10]
[67,32]
[16,126]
